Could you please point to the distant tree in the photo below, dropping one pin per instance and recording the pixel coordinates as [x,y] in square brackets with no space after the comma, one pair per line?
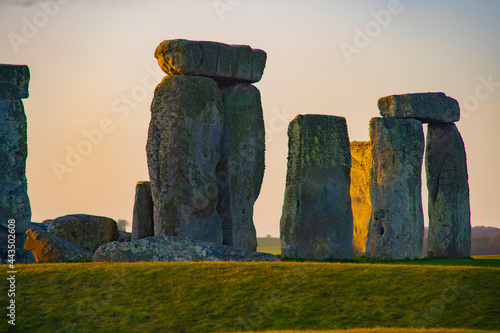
[269,236]
[122,224]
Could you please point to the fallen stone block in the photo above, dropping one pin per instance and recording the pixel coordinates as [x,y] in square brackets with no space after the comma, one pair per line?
[47,247]
[168,248]
[87,231]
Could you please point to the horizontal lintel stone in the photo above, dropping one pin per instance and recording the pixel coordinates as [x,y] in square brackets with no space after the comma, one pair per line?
[431,107]
[17,74]
[221,62]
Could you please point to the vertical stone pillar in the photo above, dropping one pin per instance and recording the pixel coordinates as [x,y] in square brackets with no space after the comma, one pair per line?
[245,123]
[361,163]
[212,190]
[183,151]
[317,218]
[448,186]
[14,200]
[143,216]
[396,225]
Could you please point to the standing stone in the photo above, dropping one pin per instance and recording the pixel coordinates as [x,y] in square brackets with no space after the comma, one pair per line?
[183,151]
[361,163]
[448,186]
[142,220]
[243,162]
[426,107]
[396,225]
[316,221]
[14,200]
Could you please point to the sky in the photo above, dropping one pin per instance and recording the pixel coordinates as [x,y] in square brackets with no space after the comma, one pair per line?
[93,75]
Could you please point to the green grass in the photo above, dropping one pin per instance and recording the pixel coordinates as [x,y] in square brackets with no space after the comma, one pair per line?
[226,297]
[269,245]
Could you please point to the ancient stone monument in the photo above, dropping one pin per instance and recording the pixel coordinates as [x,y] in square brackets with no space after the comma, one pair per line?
[86,231]
[142,220]
[206,142]
[361,164]
[14,201]
[397,225]
[317,218]
[446,167]
[447,183]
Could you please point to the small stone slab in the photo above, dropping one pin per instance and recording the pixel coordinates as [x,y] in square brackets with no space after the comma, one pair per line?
[171,248]
[143,216]
[221,62]
[17,74]
[426,107]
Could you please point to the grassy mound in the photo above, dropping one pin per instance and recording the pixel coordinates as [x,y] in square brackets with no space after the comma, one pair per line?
[225,297]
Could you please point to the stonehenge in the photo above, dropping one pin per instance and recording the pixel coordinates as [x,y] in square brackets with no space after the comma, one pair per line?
[397,223]
[15,208]
[316,221]
[447,183]
[206,142]
[142,218]
[384,184]
[361,164]
[206,160]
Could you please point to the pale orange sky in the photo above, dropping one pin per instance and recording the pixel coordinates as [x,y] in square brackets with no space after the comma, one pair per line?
[92,67]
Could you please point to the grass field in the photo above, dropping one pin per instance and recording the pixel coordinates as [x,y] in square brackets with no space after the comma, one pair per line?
[227,297]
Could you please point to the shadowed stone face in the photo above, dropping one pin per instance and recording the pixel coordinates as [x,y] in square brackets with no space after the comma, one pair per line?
[361,160]
[14,200]
[242,159]
[183,151]
[221,62]
[426,107]
[143,221]
[448,186]
[317,218]
[396,225]
[19,75]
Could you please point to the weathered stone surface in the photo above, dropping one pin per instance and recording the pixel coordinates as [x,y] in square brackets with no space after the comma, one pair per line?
[448,186]
[183,151]
[86,231]
[361,163]
[4,238]
[396,226]
[124,236]
[426,107]
[14,200]
[19,75]
[21,256]
[317,218]
[49,248]
[143,217]
[222,62]
[167,248]
[242,159]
